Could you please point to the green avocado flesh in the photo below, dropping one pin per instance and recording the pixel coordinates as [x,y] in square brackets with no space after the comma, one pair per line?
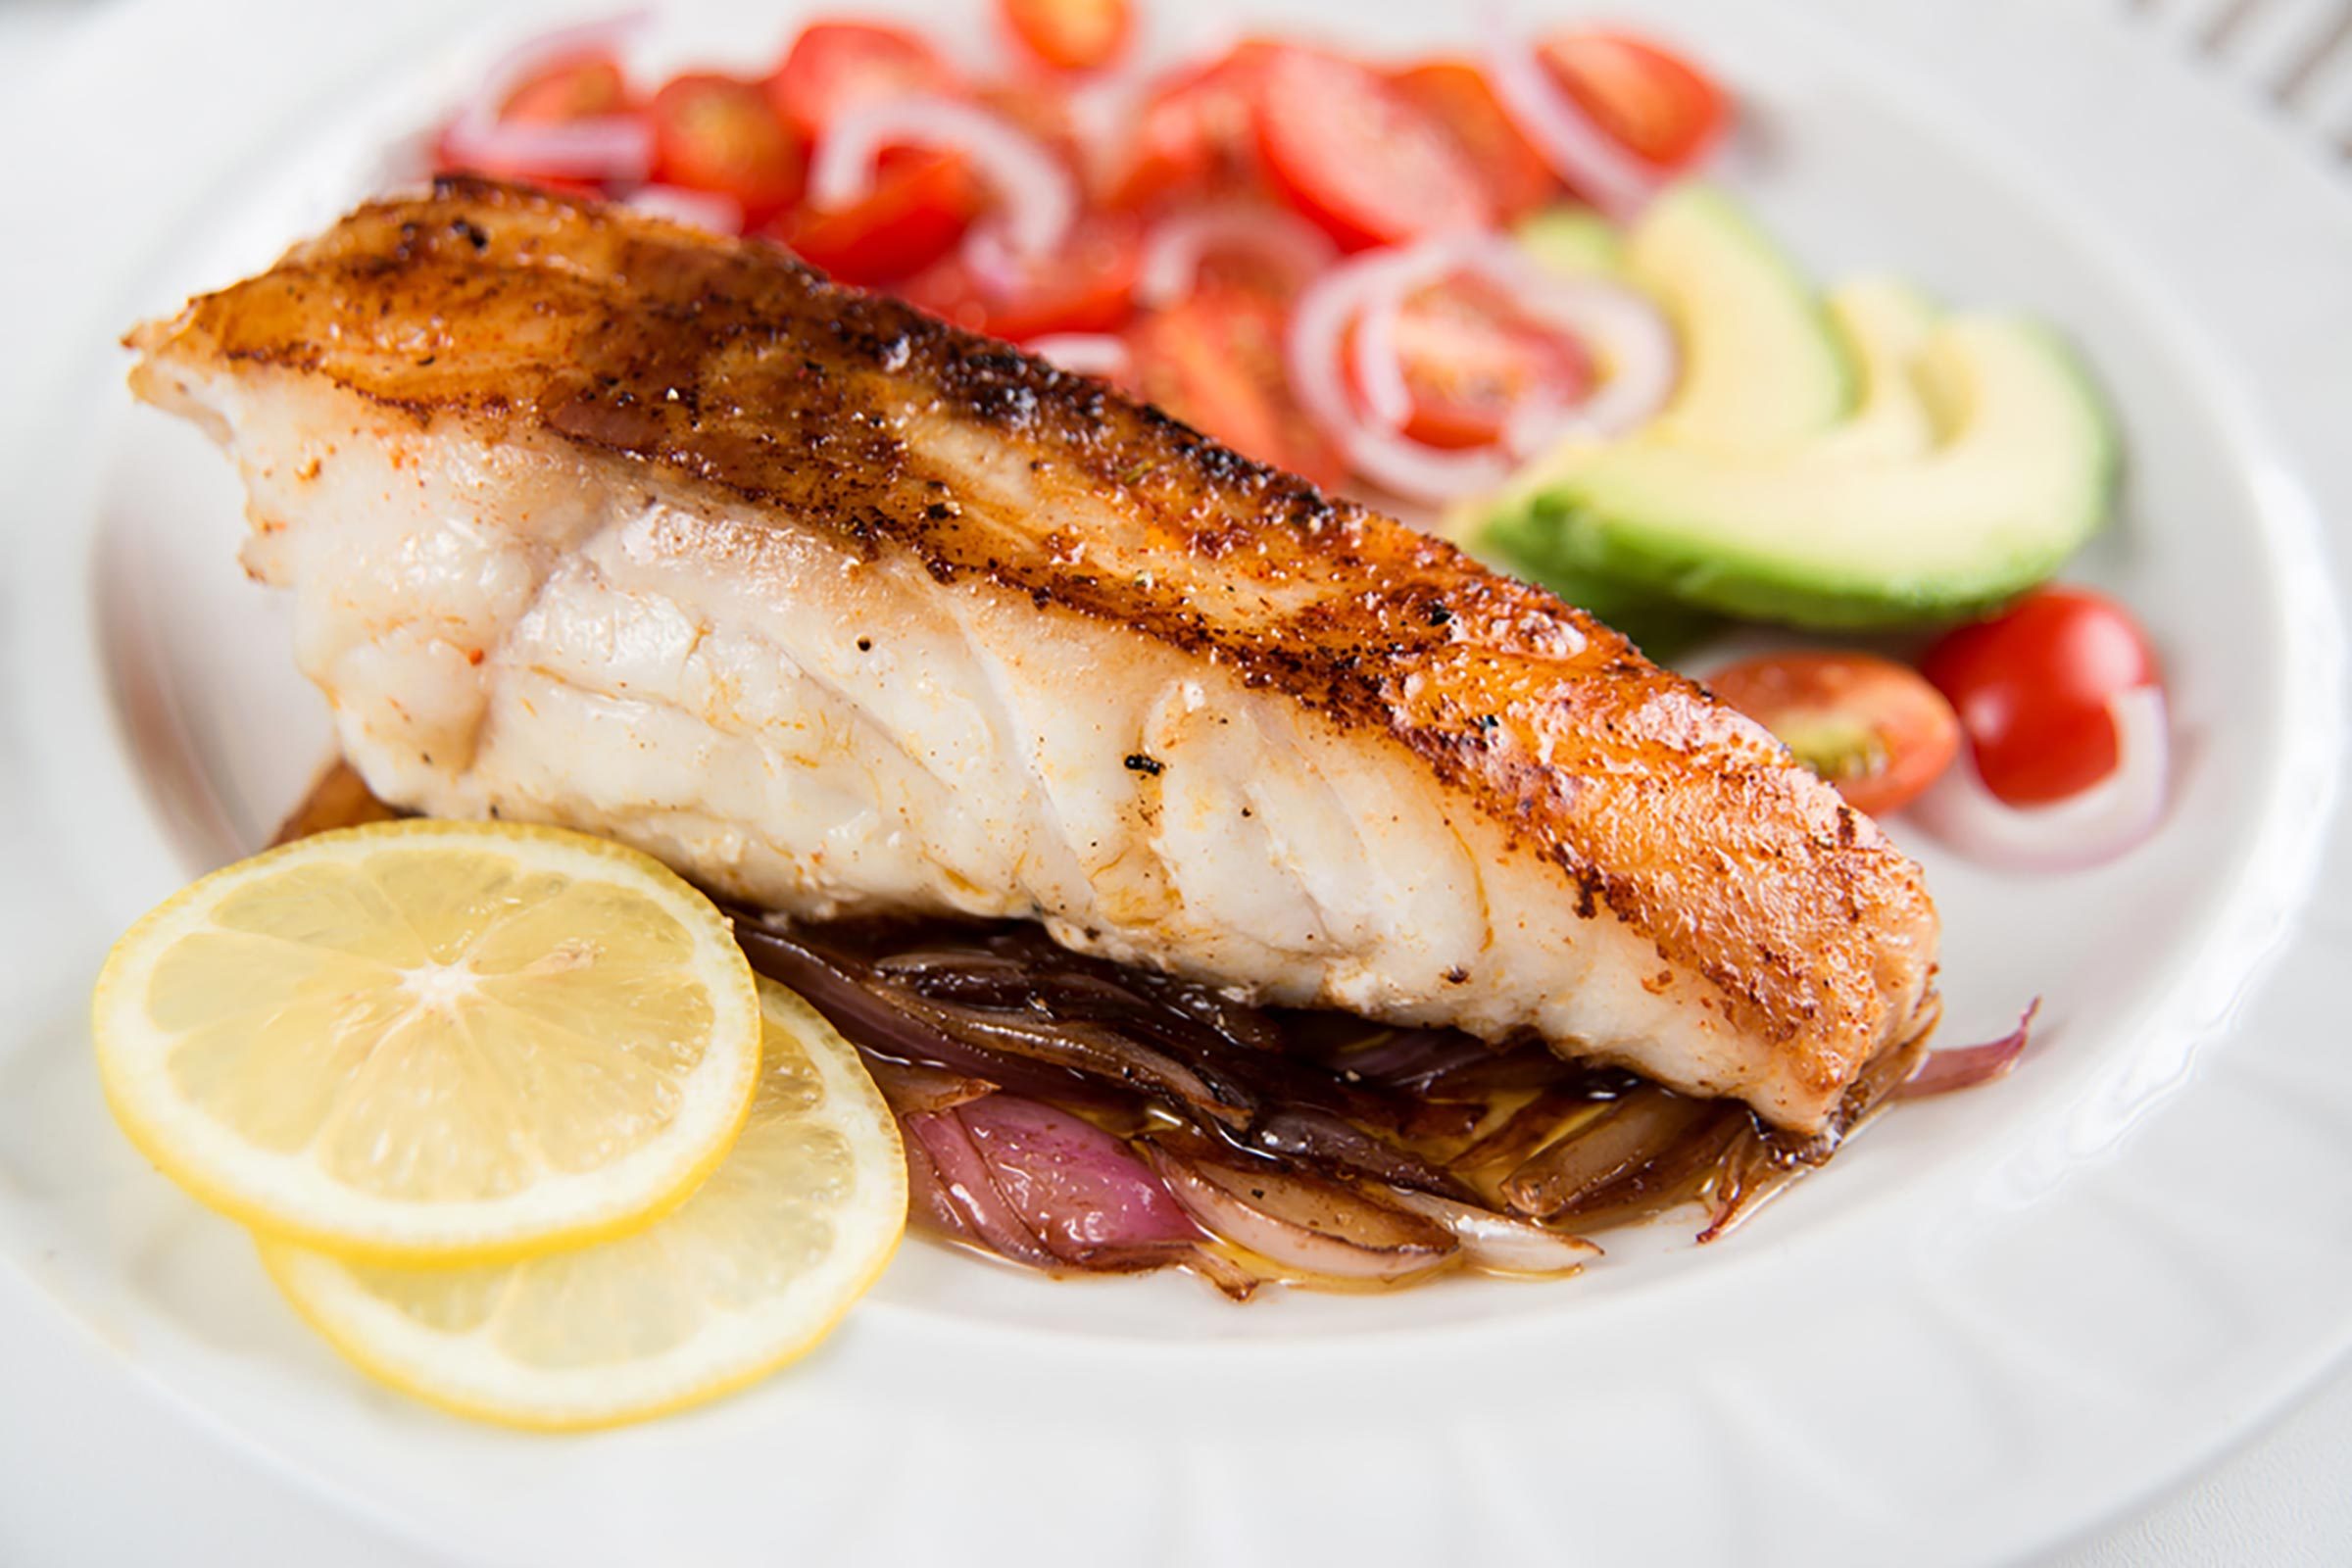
[1872,463]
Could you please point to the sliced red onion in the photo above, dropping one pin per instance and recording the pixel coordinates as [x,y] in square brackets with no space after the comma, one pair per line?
[2104,822]
[1379,367]
[911,1087]
[1412,1059]
[1075,1186]
[1238,1283]
[615,148]
[1499,1242]
[1940,1072]
[1040,199]
[1636,344]
[1578,150]
[927,1202]
[1320,1228]
[1639,1129]
[1368,291]
[994,264]
[1342,1147]
[695,209]
[1095,353]
[968,1192]
[1176,247]
[1314,347]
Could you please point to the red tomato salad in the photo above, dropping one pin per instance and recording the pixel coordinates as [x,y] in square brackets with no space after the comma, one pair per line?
[1489,287]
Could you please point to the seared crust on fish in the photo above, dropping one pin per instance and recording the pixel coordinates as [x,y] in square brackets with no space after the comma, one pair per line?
[503,444]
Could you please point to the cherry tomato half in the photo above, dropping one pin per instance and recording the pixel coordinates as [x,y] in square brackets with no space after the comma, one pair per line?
[919,207]
[1070,34]
[718,133]
[1458,94]
[1867,724]
[573,87]
[1214,360]
[1088,285]
[579,86]
[2031,687]
[1195,134]
[833,66]
[1468,360]
[1356,155]
[1652,102]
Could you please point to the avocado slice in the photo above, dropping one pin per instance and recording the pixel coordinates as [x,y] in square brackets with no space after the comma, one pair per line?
[1880,463]
[1762,367]
[2020,474]
[1884,324]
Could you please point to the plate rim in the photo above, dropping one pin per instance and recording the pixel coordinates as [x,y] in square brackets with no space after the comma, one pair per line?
[2292,496]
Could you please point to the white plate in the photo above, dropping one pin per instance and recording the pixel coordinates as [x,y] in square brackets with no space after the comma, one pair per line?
[1996,1320]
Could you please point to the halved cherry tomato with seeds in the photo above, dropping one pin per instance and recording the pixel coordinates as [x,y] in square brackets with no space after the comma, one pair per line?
[1652,102]
[1196,134]
[2031,687]
[1867,724]
[1469,361]
[579,87]
[1070,34]
[1458,94]
[835,65]
[718,133]
[1357,156]
[919,207]
[1214,360]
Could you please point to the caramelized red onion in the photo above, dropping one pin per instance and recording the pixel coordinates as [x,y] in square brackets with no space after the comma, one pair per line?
[1630,1133]
[877,1026]
[1041,1186]
[1499,1242]
[1940,1072]
[1347,1150]
[1083,1193]
[911,1086]
[1303,1225]
[1365,1153]
[1324,1148]
[964,1188]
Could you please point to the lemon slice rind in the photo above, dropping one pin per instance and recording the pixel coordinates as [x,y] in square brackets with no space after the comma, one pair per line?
[288,1194]
[465,1372]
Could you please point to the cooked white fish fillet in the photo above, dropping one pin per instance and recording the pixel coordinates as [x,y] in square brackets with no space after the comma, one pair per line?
[593,520]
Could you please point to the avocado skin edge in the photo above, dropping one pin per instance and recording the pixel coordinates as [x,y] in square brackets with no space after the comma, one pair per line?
[1556,533]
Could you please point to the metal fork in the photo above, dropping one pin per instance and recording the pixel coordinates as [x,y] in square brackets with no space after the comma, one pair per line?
[2294,56]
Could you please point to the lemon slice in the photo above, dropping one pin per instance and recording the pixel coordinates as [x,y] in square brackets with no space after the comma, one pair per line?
[433,1042]
[757,1267]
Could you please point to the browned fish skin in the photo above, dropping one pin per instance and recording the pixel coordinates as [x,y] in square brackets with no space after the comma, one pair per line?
[729,369]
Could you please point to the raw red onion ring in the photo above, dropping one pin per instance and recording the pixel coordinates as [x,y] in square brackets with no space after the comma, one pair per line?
[614,148]
[1095,353]
[1368,291]
[1040,199]
[2088,829]
[1175,249]
[695,209]
[1578,150]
